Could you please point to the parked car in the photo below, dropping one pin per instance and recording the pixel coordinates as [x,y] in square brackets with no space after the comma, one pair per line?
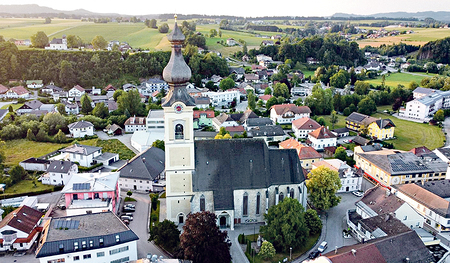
[128,209]
[323,246]
[129,214]
[125,217]
[314,254]
[130,205]
[358,193]
[126,222]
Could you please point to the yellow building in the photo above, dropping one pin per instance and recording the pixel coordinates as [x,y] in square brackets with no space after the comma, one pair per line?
[382,129]
[358,122]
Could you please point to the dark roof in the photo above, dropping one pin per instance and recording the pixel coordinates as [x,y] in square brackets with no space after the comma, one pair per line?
[145,166]
[376,199]
[341,130]
[391,249]
[59,166]
[36,160]
[360,118]
[81,149]
[397,162]
[259,122]
[202,100]
[419,151]
[440,188]
[23,218]
[90,227]
[385,124]
[80,125]
[53,87]
[34,104]
[385,222]
[283,108]
[223,166]
[262,131]
[360,140]
[371,148]
[242,117]
[445,152]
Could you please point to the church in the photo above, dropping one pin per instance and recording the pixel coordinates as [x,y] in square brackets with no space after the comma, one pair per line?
[237,179]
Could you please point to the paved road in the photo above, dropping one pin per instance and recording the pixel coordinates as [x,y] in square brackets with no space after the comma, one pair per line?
[446,128]
[139,225]
[125,139]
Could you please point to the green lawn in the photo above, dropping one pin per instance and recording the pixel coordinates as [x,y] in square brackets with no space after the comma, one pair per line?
[339,124]
[112,146]
[19,150]
[412,134]
[14,106]
[26,186]
[399,78]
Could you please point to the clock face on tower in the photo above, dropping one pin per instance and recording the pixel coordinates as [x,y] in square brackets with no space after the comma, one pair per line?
[178,108]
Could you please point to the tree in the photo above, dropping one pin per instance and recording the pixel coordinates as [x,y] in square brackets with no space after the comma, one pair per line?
[42,135]
[60,137]
[367,106]
[131,101]
[281,89]
[270,102]
[334,118]
[340,154]
[313,222]
[286,226]
[61,108]
[164,28]
[439,115]
[67,75]
[165,234]
[202,241]
[227,83]
[322,187]
[339,80]
[212,32]
[251,100]
[362,87]
[74,41]
[10,108]
[129,193]
[86,104]
[39,40]
[101,110]
[268,91]
[267,250]
[153,23]
[159,144]
[412,85]
[30,135]
[48,20]
[99,42]
[17,174]
[54,122]
[118,93]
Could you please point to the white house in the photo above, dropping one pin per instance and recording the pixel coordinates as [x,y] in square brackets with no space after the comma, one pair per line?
[425,106]
[19,229]
[80,129]
[59,172]
[155,120]
[82,154]
[151,85]
[17,92]
[133,124]
[321,138]
[223,98]
[301,127]
[76,91]
[89,238]
[72,108]
[58,44]
[231,42]
[223,120]
[350,181]
[287,113]
[34,84]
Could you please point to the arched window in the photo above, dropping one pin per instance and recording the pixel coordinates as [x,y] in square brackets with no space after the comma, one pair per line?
[245,205]
[202,203]
[179,132]
[281,196]
[258,203]
[291,193]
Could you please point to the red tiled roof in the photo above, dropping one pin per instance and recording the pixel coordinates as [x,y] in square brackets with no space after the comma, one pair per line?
[78,87]
[306,123]
[265,97]
[137,121]
[418,151]
[3,89]
[367,253]
[283,108]
[322,133]
[290,143]
[23,218]
[235,128]
[306,152]
[109,87]
[209,113]
[19,90]
[376,199]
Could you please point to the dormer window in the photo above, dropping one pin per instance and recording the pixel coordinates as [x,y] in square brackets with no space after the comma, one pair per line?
[117,238]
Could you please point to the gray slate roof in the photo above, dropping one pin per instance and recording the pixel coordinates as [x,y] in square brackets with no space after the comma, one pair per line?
[262,131]
[223,166]
[145,166]
[80,125]
[59,166]
[91,227]
[81,149]
[440,188]
[259,122]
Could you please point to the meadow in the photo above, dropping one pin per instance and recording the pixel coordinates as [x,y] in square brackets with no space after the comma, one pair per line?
[420,37]
[393,79]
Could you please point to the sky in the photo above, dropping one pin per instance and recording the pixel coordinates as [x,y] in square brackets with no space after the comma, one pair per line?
[249,8]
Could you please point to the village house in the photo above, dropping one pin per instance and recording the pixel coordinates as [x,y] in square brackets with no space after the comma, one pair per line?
[17,92]
[308,156]
[81,129]
[76,91]
[321,138]
[203,118]
[59,172]
[58,44]
[34,84]
[350,181]
[113,129]
[301,127]
[382,129]
[3,91]
[133,124]
[223,98]
[287,113]
[149,86]
[358,122]
[88,155]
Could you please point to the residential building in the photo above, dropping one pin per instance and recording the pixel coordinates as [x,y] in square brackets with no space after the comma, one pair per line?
[358,122]
[238,180]
[321,138]
[144,171]
[392,167]
[76,91]
[81,129]
[430,200]
[287,113]
[58,44]
[87,193]
[72,108]
[350,181]
[35,164]
[98,237]
[290,143]
[308,156]
[223,98]
[3,91]
[17,93]
[113,129]
[19,229]
[88,155]
[420,92]
[251,123]
[34,84]
[151,85]
[223,120]
[202,102]
[231,42]
[51,88]
[341,132]
[382,129]
[111,88]
[59,172]
[29,106]
[155,121]
[203,118]
[133,124]
[424,107]
[301,127]
[272,133]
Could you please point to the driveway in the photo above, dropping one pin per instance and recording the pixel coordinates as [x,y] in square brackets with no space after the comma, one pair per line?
[125,139]
[242,106]
[139,225]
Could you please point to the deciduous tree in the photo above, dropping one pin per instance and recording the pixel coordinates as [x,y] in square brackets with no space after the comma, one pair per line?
[227,83]
[99,42]
[202,241]
[39,40]
[165,234]
[54,122]
[323,185]
[101,110]
[164,28]
[313,222]
[267,250]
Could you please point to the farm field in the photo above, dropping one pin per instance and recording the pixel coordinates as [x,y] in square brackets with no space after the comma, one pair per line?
[420,37]
[400,78]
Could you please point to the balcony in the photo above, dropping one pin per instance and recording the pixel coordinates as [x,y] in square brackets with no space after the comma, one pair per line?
[90,203]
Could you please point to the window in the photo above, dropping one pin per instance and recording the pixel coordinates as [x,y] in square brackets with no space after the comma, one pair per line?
[100,254]
[75,246]
[120,260]
[281,196]
[245,205]
[83,244]
[258,203]
[96,196]
[91,242]
[291,193]
[101,241]
[75,258]
[118,250]
[179,132]
[202,203]
[87,256]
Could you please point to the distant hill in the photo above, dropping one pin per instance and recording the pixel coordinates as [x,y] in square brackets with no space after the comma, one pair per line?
[37,9]
[443,16]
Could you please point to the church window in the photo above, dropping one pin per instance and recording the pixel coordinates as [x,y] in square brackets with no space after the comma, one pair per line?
[179,132]
[291,193]
[245,205]
[281,196]
[258,203]
[202,203]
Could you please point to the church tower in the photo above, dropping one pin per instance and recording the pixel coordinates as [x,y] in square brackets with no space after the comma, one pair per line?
[178,108]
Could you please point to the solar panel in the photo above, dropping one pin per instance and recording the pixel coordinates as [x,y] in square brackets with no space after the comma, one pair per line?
[81,186]
[69,224]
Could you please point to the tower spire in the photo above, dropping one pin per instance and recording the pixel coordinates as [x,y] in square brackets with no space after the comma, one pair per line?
[177,73]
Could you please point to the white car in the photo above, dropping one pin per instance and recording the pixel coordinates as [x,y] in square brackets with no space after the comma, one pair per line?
[323,246]
[358,193]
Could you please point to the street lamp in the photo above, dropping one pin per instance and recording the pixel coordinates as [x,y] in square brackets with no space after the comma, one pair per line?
[290,253]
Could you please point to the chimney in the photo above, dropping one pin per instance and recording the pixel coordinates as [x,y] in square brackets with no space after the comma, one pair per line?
[423,182]
[143,159]
[406,260]
[354,252]
[388,192]
[14,214]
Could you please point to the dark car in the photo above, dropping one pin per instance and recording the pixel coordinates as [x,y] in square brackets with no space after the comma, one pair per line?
[128,209]
[314,254]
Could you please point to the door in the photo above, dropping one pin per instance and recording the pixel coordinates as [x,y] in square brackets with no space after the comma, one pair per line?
[347,188]
[180,219]
[135,187]
[223,222]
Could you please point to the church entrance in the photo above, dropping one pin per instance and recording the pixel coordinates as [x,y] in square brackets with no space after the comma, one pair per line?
[180,219]
[223,222]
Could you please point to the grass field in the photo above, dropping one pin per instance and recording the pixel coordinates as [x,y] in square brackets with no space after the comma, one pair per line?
[15,106]
[420,37]
[112,146]
[412,134]
[339,124]
[19,150]
[27,186]
[394,79]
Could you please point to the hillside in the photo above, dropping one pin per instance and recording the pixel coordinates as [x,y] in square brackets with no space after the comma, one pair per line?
[440,16]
